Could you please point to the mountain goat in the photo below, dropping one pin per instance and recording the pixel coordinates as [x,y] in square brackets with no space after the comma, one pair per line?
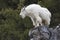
[37,14]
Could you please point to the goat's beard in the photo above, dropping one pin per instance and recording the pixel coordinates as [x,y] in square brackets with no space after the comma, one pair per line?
[22,15]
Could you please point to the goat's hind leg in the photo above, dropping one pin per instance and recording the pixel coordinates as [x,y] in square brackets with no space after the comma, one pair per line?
[47,21]
[38,21]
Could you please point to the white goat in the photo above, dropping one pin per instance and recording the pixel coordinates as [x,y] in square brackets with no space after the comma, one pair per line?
[37,14]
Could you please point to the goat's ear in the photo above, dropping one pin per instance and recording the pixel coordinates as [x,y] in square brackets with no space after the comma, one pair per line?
[24,7]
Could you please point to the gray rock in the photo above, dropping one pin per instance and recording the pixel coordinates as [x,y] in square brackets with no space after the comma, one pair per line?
[44,33]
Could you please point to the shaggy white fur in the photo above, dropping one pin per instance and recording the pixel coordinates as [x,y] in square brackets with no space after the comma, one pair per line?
[37,14]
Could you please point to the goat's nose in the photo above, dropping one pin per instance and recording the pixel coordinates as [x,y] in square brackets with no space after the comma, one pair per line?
[19,15]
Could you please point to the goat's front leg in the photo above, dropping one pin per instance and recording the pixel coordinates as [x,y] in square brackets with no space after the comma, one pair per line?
[33,20]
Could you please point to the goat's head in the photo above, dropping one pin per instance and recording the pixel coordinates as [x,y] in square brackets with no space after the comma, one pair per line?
[23,13]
